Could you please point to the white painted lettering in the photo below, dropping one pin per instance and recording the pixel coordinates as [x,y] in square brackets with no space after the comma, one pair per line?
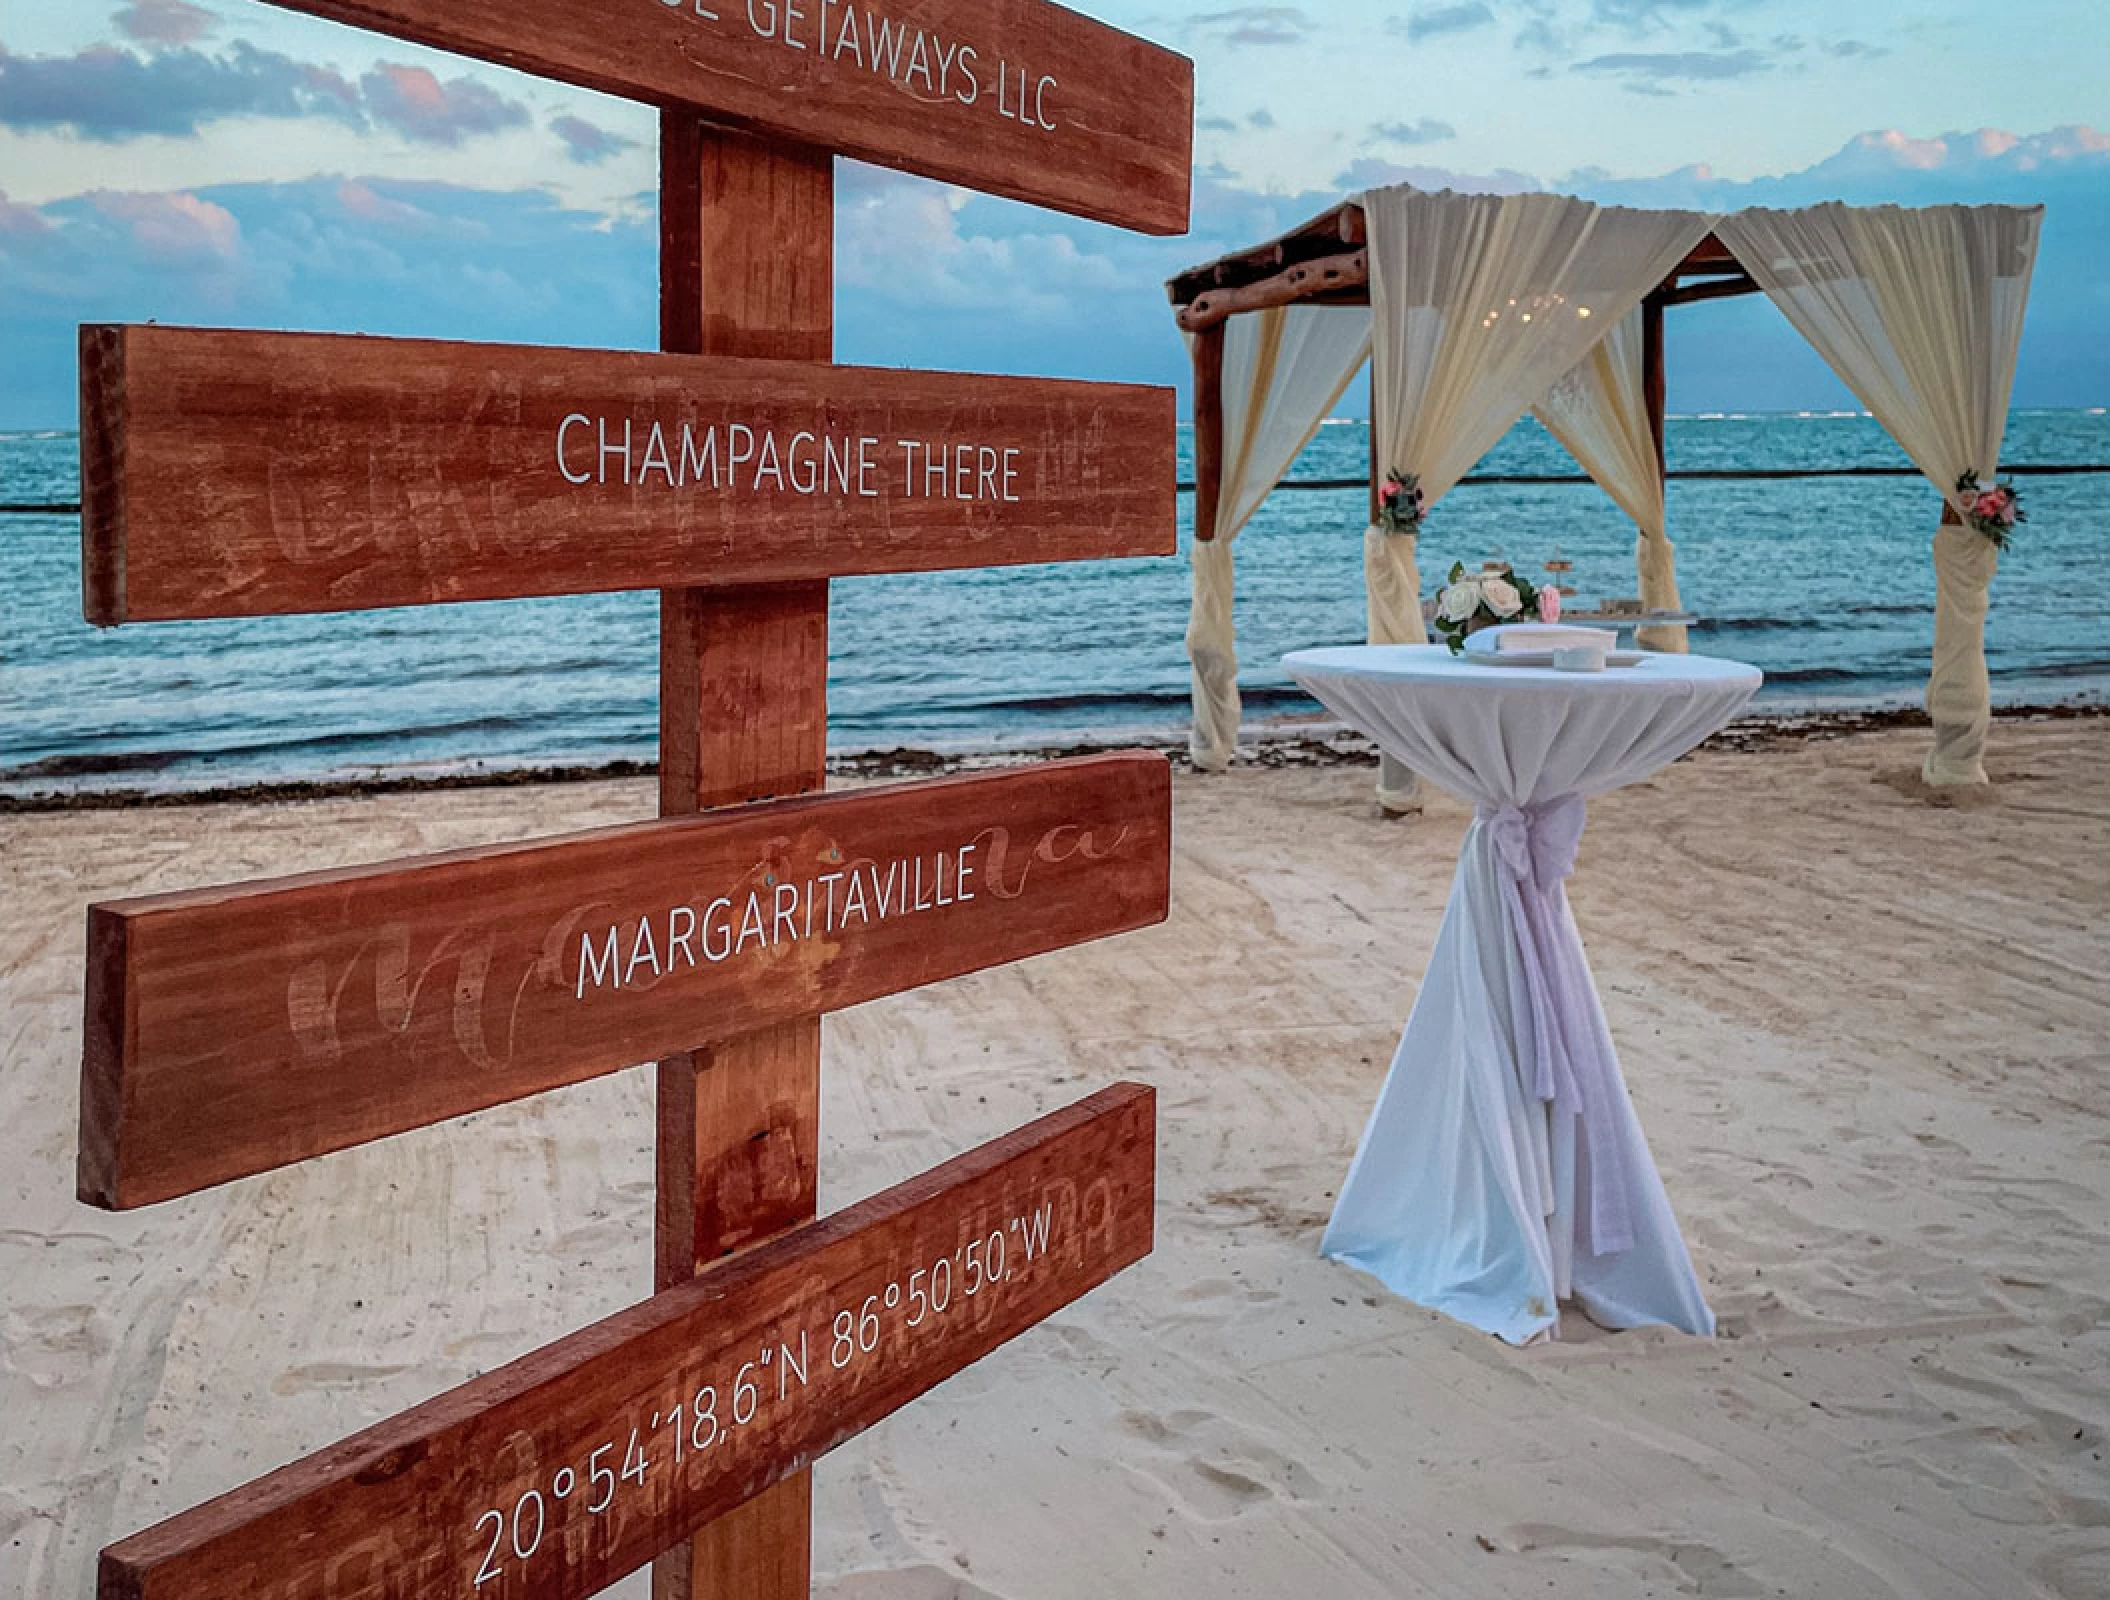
[570,476]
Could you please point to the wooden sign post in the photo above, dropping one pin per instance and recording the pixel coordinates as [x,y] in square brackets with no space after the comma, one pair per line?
[234,1030]
[551,1477]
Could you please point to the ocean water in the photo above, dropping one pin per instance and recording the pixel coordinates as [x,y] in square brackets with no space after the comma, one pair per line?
[1824,583]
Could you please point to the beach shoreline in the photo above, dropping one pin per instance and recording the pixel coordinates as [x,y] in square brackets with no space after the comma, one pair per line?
[1863,1033]
[1282,742]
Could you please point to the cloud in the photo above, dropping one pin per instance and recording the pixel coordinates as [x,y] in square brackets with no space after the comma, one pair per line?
[1740,354]
[109,93]
[933,278]
[176,229]
[1854,50]
[165,21]
[420,107]
[1432,22]
[20,220]
[1650,71]
[1262,118]
[1254,25]
[1216,124]
[1639,16]
[1372,172]
[1423,130]
[586,143]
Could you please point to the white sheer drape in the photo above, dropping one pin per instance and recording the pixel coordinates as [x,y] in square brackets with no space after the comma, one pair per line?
[1599,412]
[1920,314]
[1284,369]
[1478,304]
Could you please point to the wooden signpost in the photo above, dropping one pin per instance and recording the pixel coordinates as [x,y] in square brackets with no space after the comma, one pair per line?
[239,1029]
[266,473]
[233,1030]
[1019,98]
[552,1477]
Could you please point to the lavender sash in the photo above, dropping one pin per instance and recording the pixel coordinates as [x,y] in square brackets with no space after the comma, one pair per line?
[1564,1062]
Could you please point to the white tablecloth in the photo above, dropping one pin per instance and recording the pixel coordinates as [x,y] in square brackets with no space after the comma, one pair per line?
[1503,1169]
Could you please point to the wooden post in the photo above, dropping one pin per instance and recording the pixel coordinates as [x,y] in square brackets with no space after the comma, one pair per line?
[1208,428]
[1652,386]
[747,235]
[1376,472]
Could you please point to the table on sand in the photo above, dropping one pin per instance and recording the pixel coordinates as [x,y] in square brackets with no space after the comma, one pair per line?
[1503,1169]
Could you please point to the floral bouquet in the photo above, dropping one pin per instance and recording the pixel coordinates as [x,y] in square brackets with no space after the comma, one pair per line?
[1993,510]
[1470,601]
[1399,503]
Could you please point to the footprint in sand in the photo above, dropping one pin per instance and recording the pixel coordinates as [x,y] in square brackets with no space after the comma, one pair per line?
[330,1375]
[53,1346]
[1693,1568]
[1213,1469]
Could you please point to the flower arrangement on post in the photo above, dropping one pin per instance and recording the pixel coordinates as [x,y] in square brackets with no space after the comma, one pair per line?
[1470,601]
[1993,510]
[1399,503]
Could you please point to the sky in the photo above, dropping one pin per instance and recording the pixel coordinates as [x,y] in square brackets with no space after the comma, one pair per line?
[226,162]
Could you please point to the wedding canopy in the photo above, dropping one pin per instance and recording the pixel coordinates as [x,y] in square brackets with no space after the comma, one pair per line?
[1473,309]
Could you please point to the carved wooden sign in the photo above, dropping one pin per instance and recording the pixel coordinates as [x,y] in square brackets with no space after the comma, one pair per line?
[233,1030]
[550,1478]
[235,474]
[1013,97]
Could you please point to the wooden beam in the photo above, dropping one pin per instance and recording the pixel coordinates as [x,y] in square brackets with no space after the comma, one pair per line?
[1019,98]
[240,474]
[1208,352]
[746,268]
[1305,281]
[557,1474]
[1332,232]
[1652,382]
[1709,255]
[1684,294]
[238,1029]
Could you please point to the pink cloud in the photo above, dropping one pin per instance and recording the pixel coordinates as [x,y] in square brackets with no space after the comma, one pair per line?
[362,201]
[174,227]
[419,106]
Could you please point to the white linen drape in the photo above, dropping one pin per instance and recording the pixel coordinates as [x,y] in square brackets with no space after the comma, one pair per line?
[1599,412]
[1478,304]
[1284,369]
[1503,1167]
[1919,312]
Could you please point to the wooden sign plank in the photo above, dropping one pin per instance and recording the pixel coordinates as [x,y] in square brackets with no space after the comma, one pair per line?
[240,474]
[551,1478]
[1013,97]
[233,1030]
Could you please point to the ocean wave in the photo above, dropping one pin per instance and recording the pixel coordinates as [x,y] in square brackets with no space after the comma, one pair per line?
[266,750]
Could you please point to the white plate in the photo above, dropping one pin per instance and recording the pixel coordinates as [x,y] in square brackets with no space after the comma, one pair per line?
[1544,658]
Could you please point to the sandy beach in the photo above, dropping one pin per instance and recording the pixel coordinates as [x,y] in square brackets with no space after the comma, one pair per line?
[1866,1035]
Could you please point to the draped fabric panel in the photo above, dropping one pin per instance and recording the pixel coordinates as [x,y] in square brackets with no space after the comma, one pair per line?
[1919,312]
[1479,303]
[1599,412]
[1284,370]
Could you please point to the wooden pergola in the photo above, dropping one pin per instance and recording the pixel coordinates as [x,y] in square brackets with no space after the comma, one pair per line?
[1326,262]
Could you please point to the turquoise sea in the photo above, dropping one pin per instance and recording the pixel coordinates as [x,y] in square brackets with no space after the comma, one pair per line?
[1824,583]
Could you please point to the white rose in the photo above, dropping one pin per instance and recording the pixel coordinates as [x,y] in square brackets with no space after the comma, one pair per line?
[1459,600]
[1502,597]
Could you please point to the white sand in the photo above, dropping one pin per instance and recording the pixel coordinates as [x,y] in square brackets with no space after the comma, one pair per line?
[1867,1037]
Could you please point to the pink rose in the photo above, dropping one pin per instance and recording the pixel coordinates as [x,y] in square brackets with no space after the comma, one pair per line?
[2007,513]
[1549,604]
[1389,493]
